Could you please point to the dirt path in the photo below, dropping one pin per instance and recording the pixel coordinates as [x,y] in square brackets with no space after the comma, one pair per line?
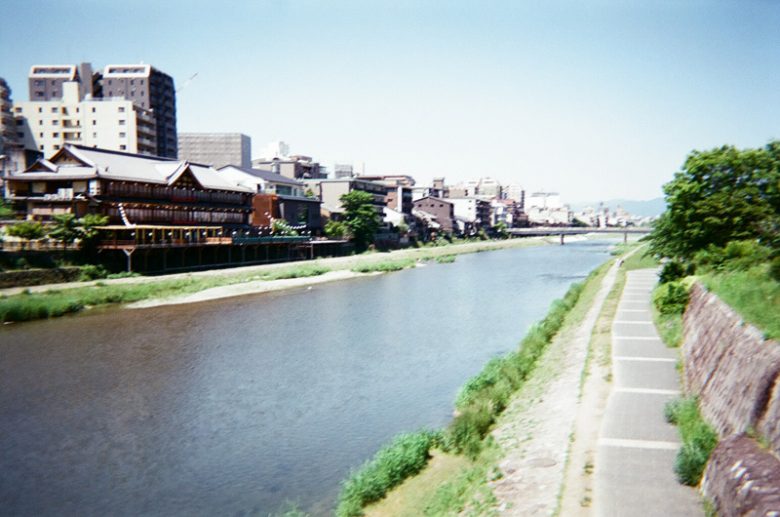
[537,428]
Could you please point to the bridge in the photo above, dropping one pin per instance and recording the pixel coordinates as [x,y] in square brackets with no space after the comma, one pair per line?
[542,231]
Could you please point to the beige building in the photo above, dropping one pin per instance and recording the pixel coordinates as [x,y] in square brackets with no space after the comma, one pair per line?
[107,123]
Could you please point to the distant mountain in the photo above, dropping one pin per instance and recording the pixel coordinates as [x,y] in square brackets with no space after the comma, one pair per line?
[649,208]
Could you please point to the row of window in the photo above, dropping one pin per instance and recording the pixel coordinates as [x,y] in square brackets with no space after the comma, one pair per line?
[64,110]
[163,215]
[177,194]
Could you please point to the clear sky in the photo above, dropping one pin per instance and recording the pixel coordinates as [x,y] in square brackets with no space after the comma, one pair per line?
[594,99]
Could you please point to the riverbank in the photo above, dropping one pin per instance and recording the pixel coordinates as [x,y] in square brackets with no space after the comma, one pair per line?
[520,470]
[39,302]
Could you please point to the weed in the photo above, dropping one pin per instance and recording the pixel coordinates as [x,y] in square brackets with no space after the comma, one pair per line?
[698,437]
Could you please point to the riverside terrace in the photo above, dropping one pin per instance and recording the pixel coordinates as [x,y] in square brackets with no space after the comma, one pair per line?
[171,248]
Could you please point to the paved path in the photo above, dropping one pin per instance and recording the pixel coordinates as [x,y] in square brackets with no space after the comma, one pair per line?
[636,447]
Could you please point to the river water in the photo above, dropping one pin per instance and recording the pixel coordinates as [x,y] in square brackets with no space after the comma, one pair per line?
[242,406]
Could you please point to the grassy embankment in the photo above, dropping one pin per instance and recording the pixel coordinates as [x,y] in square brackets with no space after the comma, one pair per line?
[30,306]
[463,457]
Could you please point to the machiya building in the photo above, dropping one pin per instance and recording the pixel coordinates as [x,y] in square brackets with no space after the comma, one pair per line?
[116,124]
[130,189]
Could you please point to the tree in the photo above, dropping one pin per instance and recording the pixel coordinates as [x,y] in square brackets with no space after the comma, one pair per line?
[88,225]
[28,230]
[719,195]
[360,217]
[65,228]
[336,230]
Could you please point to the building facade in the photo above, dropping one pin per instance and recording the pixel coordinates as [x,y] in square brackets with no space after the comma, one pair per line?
[130,189]
[216,149]
[149,89]
[45,82]
[329,191]
[441,211]
[114,124]
[295,167]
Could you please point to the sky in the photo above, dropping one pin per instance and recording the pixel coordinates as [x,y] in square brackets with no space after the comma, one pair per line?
[596,99]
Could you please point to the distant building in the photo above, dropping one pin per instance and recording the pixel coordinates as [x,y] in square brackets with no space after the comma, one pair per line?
[296,167]
[329,191]
[546,208]
[343,170]
[149,89]
[277,197]
[471,213]
[46,82]
[130,189]
[436,213]
[516,193]
[12,155]
[114,124]
[216,149]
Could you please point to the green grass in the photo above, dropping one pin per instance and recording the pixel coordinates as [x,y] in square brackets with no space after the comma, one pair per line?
[50,304]
[405,456]
[752,293]
[384,266]
[446,259]
[699,439]
[640,260]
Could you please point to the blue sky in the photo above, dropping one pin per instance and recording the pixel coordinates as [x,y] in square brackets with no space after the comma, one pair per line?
[596,100]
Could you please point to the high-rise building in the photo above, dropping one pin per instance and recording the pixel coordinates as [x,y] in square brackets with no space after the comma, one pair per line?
[45,82]
[12,155]
[217,149]
[151,89]
[115,124]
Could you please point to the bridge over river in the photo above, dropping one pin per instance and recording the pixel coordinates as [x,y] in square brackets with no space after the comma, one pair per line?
[541,231]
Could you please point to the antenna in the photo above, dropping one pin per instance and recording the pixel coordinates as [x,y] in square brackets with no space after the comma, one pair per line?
[187,82]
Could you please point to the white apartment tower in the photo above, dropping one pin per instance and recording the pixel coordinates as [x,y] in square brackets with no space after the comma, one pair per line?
[107,123]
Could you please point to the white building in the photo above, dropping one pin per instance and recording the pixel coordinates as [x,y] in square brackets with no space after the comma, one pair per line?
[547,208]
[113,124]
[262,181]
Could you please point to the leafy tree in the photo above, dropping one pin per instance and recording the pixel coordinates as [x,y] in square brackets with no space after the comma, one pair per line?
[65,228]
[719,195]
[336,230]
[27,230]
[6,212]
[501,230]
[360,217]
[283,228]
[88,224]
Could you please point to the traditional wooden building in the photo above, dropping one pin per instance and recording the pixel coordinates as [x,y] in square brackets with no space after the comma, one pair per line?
[130,189]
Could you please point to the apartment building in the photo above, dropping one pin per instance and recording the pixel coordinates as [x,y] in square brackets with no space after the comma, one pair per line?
[297,167]
[115,124]
[45,82]
[329,191]
[149,89]
[216,149]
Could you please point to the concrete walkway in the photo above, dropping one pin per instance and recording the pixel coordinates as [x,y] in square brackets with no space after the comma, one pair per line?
[636,448]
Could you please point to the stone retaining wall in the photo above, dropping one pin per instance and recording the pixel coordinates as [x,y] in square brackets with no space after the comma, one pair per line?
[731,367]
[735,372]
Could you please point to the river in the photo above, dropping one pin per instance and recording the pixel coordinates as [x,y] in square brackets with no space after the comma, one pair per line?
[241,406]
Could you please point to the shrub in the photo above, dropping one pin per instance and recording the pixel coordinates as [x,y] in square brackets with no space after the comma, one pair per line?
[735,256]
[405,456]
[672,270]
[698,437]
[336,230]
[384,267]
[671,298]
[92,272]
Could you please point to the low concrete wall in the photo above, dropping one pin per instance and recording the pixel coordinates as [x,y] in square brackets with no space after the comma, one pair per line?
[735,372]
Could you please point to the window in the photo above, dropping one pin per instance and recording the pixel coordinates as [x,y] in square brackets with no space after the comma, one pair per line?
[41,135]
[18,109]
[56,147]
[41,147]
[132,81]
[77,110]
[40,122]
[94,135]
[121,122]
[93,110]
[55,135]
[40,110]
[109,81]
[19,122]
[94,122]
[20,135]
[39,94]
[122,135]
[121,109]
[55,122]
[55,110]
[38,82]
[122,147]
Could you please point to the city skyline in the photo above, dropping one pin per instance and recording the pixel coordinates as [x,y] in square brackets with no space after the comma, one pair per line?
[595,101]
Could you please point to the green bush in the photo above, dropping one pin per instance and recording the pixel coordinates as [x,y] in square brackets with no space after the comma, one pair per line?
[405,456]
[92,272]
[384,267]
[672,270]
[671,298]
[698,437]
[735,256]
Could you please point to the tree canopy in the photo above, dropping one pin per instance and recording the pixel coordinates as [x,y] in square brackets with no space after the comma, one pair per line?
[720,195]
[360,217]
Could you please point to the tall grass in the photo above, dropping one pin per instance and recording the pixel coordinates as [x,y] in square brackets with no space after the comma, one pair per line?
[753,293]
[405,456]
[446,259]
[385,266]
[698,437]
[487,394]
